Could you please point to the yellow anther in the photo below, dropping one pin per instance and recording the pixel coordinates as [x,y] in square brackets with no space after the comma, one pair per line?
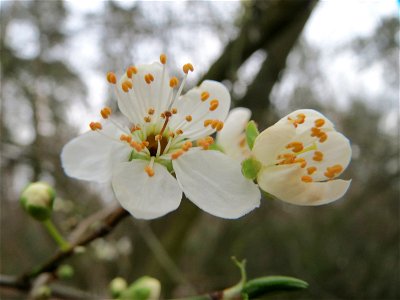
[162,115]
[111,78]
[126,85]
[300,118]
[126,138]
[318,156]
[130,71]
[158,137]
[319,122]
[148,78]
[302,161]
[95,126]
[149,170]
[204,96]
[173,82]
[207,122]
[323,137]
[147,119]
[297,146]
[315,131]
[219,126]
[214,123]
[174,110]
[187,145]
[145,144]
[187,67]
[105,112]
[163,59]
[205,142]
[151,111]
[176,154]
[179,131]
[209,139]
[188,118]
[214,104]
[306,178]
[136,146]
[311,170]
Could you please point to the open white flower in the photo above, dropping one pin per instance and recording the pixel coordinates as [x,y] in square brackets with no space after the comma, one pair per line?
[232,138]
[301,155]
[167,134]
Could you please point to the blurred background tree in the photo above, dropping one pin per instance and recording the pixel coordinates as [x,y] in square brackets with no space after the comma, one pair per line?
[348,249]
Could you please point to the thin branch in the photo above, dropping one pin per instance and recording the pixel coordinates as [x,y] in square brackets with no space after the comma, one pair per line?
[106,225]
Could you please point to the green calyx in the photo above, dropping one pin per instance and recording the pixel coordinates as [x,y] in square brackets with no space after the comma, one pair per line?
[37,200]
[250,168]
[251,133]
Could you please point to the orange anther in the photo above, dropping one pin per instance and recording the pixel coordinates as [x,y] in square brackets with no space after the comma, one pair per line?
[319,122]
[323,137]
[147,119]
[163,59]
[111,78]
[174,110]
[204,96]
[214,123]
[126,85]
[105,112]
[95,126]
[149,170]
[176,154]
[173,82]
[187,145]
[130,71]
[318,156]
[162,115]
[158,137]
[188,118]
[209,139]
[219,126]
[311,170]
[306,178]
[136,146]
[207,122]
[179,131]
[214,104]
[148,78]
[302,161]
[187,67]
[151,111]
[171,134]
[145,144]
[297,146]
[315,131]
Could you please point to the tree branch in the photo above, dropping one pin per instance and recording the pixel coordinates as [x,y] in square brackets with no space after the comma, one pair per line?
[106,225]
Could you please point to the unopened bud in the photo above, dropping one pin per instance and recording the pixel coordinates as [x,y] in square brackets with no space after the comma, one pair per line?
[117,286]
[65,271]
[145,288]
[37,200]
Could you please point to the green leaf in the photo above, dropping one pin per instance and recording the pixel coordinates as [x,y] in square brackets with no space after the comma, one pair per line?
[251,133]
[250,168]
[263,285]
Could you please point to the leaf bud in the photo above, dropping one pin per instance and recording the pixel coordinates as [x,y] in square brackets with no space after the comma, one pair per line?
[117,286]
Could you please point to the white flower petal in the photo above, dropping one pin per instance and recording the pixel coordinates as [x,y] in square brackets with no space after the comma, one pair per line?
[231,136]
[191,104]
[284,182]
[214,182]
[270,143]
[91,156]
[311,117]
[336,151]
[143,196]
[136,103]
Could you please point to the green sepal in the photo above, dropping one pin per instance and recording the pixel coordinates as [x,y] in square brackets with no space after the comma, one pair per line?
[251,133]
[215,146]
[250,168]
[258,287]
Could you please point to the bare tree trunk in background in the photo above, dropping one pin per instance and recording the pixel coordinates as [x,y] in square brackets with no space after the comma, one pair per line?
[271,25]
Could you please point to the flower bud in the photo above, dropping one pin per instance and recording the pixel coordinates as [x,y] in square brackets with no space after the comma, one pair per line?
[117,286]
[37,200]
[145,288]
[65,271]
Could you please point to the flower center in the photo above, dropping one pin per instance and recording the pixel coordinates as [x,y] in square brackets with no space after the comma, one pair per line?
[153,144]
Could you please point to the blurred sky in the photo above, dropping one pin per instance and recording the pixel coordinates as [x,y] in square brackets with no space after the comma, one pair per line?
[332,25]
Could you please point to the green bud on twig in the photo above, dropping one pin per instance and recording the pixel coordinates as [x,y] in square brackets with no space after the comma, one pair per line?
[145,288]
[37,200]
[117,286]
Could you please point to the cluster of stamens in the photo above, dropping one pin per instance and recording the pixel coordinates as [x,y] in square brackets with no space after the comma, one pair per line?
[298,148]
[164,139]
